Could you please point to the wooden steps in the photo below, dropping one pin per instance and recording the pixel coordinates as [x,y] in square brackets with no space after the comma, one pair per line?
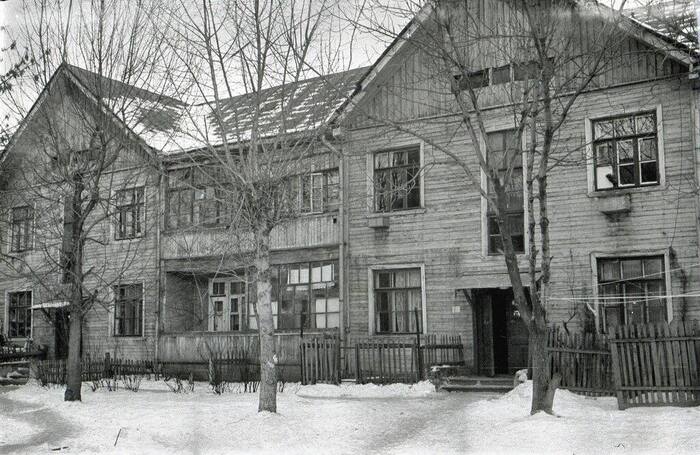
[497,384]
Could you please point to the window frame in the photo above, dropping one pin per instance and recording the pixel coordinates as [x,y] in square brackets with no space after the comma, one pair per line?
[325,176]
[226,282]
[6,327]
[139,206]
[28,225]
[593,191]
[596,257]
[371,270]
[187,196]
[485,251]
[141,312]
[371,182]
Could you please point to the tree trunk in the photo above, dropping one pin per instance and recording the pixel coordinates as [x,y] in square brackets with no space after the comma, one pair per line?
[73,367]
[543,389]
[268,357]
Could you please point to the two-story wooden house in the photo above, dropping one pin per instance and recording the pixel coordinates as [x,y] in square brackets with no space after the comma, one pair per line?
[392,238]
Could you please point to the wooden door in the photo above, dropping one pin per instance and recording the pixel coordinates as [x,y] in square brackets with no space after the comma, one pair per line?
[484,335]
[517,341]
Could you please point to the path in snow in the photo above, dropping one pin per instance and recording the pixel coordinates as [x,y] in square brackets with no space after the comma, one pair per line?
[51,426]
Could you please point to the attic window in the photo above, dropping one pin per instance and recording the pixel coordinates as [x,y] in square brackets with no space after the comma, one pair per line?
[475,79]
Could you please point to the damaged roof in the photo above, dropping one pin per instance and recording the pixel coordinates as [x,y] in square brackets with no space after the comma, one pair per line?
[169,125]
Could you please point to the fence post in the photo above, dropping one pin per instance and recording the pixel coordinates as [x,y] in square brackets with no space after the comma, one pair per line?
[107,367]
[357,363]
[419,353]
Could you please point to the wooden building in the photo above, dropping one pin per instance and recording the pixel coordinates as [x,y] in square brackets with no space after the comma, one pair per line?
[371,267]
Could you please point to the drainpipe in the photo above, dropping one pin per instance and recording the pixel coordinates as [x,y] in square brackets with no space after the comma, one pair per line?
[159,269]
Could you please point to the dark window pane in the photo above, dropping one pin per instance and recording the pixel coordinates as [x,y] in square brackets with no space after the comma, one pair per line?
[627,175]
[500,75]
[649,172]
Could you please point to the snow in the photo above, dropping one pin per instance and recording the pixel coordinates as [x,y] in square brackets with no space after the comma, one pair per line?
[331,419]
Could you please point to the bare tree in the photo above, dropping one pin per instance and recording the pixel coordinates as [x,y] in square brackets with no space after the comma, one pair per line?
[527,58]
[252,127]
[80,176]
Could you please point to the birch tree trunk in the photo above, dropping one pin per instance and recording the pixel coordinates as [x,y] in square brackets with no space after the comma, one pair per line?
[268,356]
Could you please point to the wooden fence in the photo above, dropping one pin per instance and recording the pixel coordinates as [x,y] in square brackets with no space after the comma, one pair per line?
[320,360]
[12,353]
[383,362]
[582,360]
[656,364]
[54,371]
[442,350]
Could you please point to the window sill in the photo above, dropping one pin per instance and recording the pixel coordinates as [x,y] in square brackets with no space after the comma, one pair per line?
[129,337]
[416,211]
[623,191]
[125,239]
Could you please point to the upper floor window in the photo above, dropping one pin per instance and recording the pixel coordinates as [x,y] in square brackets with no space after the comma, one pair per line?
[129,213]
[499,143]
[319,191]
[128,308]
[22,220]
[19,314]
[397,180]
[398,306]
[196,198]
[631,290]
[625,151]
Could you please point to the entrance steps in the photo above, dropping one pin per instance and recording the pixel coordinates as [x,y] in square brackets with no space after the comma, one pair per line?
[498,384]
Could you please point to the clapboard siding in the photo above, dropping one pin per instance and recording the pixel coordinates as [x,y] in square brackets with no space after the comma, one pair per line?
[446,234]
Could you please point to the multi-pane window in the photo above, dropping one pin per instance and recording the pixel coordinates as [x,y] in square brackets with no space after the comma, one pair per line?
[631,290]
[196,198]
[129,213]
[236,304]
[128,308]
[499,143]
[397,180]
[397,301]
[625,151]
[319,191]
[19,314]
[22,219]
[305,294]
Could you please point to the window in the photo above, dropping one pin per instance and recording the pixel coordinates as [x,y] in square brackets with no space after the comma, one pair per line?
[397,180]
[128,310]
[227,303]
[129,213]
[499,142]
[397,299]
[196,198]
[631,290]
[305,294]
[22,219]
[19,314]
[625,151]
[319,192]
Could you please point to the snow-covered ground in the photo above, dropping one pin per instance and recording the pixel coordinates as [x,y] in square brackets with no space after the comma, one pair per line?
[328,419]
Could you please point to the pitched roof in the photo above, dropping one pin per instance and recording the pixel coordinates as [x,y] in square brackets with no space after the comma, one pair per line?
[169,125]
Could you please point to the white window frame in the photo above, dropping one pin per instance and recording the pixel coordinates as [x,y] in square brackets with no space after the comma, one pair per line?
[370,176]
[6,315]
[112,313]
[32,228]
[226,297]
[485,203]
[625,255]
[370,292]
[590,161]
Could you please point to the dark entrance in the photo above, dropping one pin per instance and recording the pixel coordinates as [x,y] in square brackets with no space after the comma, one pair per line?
[500,336]
[61,330]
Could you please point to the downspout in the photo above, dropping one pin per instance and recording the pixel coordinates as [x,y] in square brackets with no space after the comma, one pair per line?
[159,269]
[342,219]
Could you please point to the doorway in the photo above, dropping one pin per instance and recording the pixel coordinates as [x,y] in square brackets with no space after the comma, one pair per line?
[500,336]
[61,331]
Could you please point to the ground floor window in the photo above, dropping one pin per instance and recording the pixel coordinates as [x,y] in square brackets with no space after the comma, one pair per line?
[128,310]
[303,295]
[227,303]
[631,290]
[398,306]
[19,314]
